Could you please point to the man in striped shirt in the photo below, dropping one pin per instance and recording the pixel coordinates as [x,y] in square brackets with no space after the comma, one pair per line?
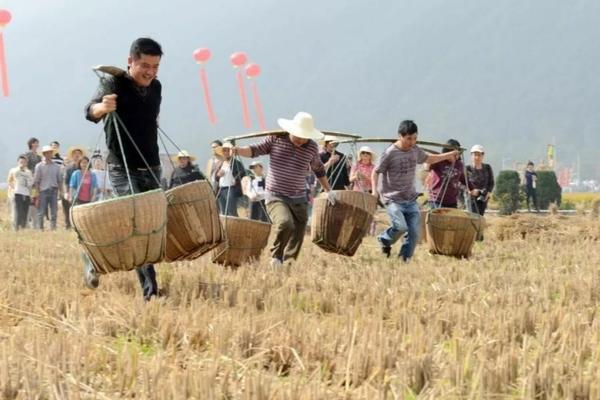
[291,156]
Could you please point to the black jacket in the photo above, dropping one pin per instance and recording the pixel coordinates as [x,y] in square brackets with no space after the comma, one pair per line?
[185,175]
[138,108]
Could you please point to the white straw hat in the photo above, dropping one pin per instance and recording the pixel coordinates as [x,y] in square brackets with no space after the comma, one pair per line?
[302,126]
[184,153]
[477,149]
[47,149]
[367,149]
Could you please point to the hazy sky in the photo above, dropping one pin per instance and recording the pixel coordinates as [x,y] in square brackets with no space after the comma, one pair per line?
[510,75]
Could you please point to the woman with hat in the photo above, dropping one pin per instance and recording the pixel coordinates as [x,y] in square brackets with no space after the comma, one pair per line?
[105,190]
[255,191]
[229,173]
[291,155]
[360,173]
[185,171]
[482,177]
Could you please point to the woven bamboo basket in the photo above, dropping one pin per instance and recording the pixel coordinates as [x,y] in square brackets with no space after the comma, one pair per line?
[366,201]
[123,233]
[193,226]
[423,232]
[451,232]
[341,228]
[245,239]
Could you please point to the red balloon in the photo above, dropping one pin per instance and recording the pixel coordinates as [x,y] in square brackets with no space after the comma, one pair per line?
[238,59]
[5,17]
[252,70]
[202,55]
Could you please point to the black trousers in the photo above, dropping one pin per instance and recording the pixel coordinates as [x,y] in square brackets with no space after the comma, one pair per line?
[21,208]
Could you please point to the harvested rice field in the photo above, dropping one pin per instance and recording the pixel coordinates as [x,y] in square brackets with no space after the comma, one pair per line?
[519,320]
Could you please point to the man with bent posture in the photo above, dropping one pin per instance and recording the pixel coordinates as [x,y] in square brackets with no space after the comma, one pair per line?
[135,95]
[291,156]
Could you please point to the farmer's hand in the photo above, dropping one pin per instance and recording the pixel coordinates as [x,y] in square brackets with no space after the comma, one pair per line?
[331,197]
[335,158]
[109,104]
[474,192]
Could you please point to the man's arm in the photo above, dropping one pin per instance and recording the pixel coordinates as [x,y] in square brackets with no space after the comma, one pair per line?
[11,179]
[436,158]
[37,177]
[244,151]
[374,183]
[324,183]
[103,102]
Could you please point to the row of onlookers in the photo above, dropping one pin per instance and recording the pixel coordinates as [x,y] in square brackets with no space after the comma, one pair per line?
[38,183]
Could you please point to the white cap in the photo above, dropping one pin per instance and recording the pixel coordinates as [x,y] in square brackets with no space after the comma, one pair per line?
[255,163]
[477,149]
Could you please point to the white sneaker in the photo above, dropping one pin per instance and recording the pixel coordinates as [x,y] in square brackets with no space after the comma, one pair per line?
[275,263]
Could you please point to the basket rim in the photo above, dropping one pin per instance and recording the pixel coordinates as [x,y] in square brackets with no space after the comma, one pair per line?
[226,217]
[118,198]
[186,185]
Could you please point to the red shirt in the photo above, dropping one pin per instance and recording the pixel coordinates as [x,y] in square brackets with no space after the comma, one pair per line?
[85,193]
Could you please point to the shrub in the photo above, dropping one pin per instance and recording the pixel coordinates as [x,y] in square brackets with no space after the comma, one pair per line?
[548,189]
[506,192]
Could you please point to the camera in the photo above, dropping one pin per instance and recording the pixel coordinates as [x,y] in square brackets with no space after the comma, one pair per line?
[482,195]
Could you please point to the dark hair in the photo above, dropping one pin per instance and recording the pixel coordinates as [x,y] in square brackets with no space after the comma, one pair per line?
[454,145]
[81,159]
[530,163]
[22,156]
[55,142]
[407,127]
[31,141]
[145,46]
[217,142]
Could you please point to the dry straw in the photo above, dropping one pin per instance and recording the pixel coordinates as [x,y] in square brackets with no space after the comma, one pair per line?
[517,320]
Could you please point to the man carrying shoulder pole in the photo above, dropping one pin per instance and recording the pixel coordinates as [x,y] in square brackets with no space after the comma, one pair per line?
[291,156]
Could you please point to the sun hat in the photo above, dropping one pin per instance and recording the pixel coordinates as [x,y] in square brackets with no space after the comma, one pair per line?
[254,164]
[367,149]
[302,126]
[227,145]
[477,149]
[47,149]
[184,153]
[75,148]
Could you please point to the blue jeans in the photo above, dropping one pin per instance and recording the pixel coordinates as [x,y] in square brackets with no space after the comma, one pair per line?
[405,217]
[48,198]
[228,200]
[141,181]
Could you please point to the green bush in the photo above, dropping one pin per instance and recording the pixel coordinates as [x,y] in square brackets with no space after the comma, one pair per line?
[548,189]
[506,192]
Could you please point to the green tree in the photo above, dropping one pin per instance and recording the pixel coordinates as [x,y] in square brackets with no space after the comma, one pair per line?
[548,189]
[506,192]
